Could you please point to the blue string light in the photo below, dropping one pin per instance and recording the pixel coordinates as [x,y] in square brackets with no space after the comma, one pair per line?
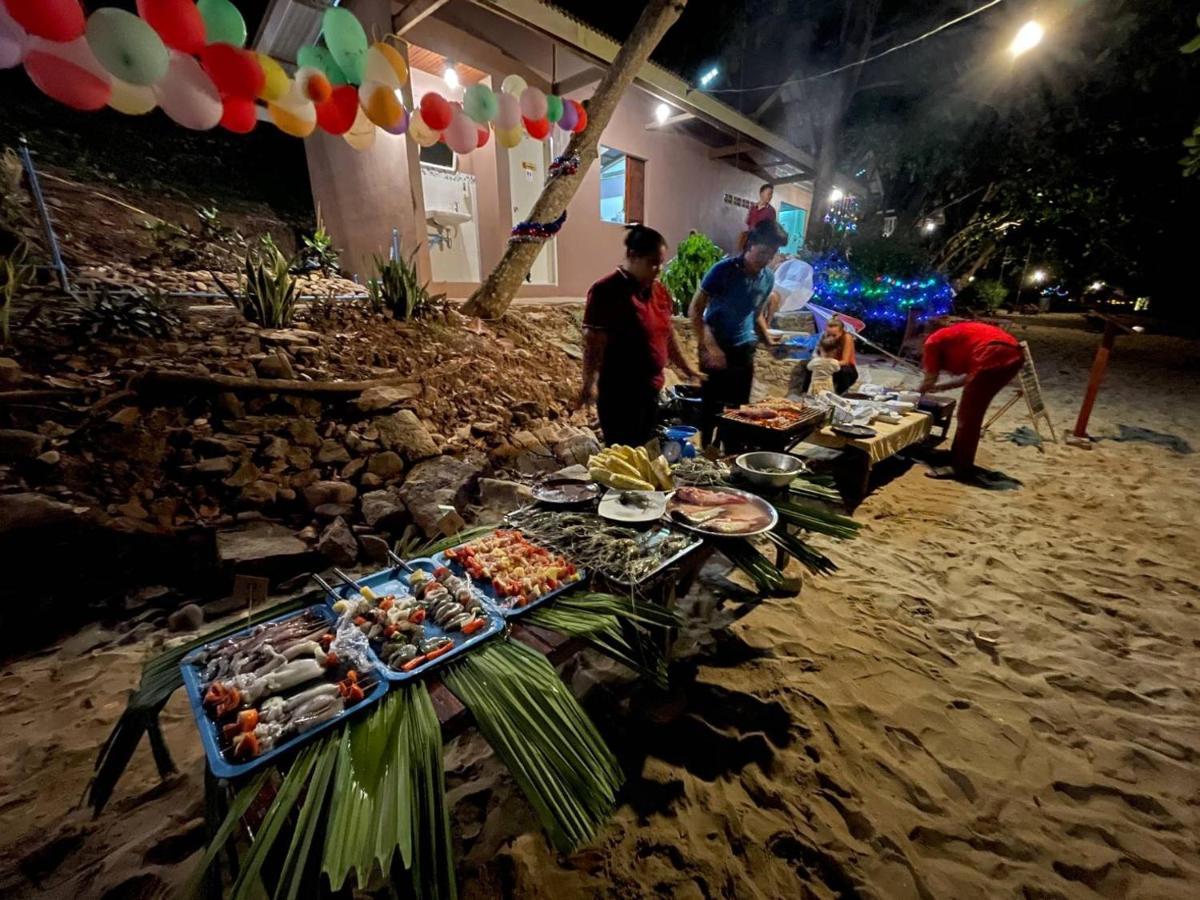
[883,298]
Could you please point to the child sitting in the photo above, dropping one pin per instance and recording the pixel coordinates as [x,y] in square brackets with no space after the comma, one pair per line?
[824,365]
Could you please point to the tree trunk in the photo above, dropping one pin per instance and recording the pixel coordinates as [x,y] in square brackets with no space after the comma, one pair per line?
[497,292]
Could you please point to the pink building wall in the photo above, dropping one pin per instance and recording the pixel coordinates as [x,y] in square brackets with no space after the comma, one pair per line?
[364,194]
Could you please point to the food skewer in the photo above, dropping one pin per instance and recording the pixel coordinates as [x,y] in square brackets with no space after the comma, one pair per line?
[399,562]
[325,586]
[355,586]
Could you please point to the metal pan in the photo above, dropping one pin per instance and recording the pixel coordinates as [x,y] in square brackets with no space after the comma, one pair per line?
[763,505]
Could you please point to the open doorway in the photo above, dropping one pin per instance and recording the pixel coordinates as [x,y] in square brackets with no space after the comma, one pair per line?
[528,163]
[793,219]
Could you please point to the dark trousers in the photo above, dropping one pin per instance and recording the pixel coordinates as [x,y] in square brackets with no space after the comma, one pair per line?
[727,387]
[997,364]
[843,379]
[628,414]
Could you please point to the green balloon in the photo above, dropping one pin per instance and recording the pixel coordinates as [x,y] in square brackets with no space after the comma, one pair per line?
[126,46]
[480,104]
[321,58]
[223,24]
[347,41]
[554,107]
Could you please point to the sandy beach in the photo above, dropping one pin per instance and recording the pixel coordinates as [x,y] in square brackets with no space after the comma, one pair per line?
[995,696]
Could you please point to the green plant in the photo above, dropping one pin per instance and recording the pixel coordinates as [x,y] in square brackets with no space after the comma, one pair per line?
[694,256]
[319,251]
[13,275]
[105,313]
[269,297]
[397,287]
[990,293]
[211,226]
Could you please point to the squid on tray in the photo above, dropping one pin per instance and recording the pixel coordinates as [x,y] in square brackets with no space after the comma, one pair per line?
[255,674]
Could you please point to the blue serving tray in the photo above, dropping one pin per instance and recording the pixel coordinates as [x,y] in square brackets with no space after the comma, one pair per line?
[395,581]
[499,603]
[209,734]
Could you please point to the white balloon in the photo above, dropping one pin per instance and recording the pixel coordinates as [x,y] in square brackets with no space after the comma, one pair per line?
[513,84]
[132,99]
[188,95]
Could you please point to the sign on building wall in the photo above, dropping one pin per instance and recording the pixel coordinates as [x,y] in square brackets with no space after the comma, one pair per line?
[743,202]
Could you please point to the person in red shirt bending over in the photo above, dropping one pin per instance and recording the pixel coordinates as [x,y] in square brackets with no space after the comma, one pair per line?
[628,338]
[984,358]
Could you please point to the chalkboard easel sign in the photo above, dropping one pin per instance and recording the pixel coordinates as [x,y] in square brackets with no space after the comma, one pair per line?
[1030,388]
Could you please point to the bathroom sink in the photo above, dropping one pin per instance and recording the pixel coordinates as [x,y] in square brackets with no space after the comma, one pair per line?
[447,218]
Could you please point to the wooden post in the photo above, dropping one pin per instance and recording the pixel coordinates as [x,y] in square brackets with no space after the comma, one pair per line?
[497,292]
[1099,365]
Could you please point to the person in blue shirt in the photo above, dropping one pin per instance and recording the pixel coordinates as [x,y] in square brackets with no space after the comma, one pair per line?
[727,319]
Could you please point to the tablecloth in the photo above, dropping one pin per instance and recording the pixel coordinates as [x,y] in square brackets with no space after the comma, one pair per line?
[891,439]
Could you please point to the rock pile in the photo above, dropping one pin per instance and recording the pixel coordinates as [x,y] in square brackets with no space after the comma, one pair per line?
[339,474]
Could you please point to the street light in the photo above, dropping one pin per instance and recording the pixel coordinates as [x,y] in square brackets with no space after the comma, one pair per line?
[708,76]
[662,112]
[1028,37]
[1038,276]
[835,195]
[929,227]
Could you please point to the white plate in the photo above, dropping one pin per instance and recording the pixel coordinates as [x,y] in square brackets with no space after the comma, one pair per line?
[614,510]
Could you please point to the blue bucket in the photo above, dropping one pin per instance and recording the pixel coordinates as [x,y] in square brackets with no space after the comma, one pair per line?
[682,442]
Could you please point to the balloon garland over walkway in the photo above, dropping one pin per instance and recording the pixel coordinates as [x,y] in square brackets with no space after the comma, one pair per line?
[189,59]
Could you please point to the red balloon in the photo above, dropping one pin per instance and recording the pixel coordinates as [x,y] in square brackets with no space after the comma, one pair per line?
[67,82]
[482,135]
[436,112]
[537,128]
[54,20]
[178,23]
[240,115]
[337,114]
[582,123]
[235,72]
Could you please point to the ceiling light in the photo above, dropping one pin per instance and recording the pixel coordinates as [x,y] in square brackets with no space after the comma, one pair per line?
[451,76]
[662,112]
[835,195]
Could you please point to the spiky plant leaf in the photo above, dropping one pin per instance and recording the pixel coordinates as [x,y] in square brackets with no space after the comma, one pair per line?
[538,728]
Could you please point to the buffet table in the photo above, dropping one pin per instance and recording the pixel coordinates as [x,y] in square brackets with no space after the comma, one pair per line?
[861,455]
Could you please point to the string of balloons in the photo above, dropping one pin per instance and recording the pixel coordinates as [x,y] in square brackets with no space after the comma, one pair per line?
[189,59]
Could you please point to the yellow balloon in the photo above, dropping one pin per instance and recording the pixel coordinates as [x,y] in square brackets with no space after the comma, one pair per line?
[381,104]
[361,135]
[509,137]
[277,83]
[298,121]
[385,64]
[132,99]
[420,132]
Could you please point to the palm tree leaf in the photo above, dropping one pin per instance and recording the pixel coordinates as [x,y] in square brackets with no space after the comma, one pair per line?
[543,735]
[237,809]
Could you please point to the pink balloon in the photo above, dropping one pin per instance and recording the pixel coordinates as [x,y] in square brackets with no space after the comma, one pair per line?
[533,103]
[14,41]
[510,111]
[461,136]
[69,73]
[570,116]
[188,95]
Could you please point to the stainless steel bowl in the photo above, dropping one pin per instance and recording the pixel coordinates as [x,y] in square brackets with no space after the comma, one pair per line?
[749,466]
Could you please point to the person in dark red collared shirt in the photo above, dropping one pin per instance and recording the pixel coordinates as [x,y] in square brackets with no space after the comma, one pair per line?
[984,358]
[628,339]
[762,211]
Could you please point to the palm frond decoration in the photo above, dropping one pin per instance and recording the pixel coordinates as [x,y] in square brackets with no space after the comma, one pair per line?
[616,626]
[817,519]
[538,728]
[816,487]
[766,576]
[813,560]
[366,800]
[160,679]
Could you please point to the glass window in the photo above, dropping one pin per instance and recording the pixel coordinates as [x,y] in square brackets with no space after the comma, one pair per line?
[612,185]
[437,155]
